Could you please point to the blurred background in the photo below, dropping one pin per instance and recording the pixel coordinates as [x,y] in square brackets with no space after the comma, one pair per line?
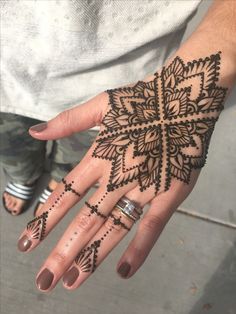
[191,270]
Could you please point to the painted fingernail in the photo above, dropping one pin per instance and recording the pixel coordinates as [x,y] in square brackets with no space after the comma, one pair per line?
[124,269]
[70,277]
[24,243]
[39,127]
[45,279]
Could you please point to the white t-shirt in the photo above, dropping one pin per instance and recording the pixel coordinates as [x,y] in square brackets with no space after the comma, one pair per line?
[57,54]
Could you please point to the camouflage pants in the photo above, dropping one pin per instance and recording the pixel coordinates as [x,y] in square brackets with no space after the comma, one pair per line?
[23,157]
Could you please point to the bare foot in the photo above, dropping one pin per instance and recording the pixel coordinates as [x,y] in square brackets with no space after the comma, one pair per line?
[52,185]
[13,204]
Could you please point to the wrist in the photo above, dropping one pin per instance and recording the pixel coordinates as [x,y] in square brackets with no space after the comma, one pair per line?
[201,45]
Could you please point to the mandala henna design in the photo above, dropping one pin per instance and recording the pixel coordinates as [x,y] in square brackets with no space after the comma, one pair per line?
[86,260]
[160,130]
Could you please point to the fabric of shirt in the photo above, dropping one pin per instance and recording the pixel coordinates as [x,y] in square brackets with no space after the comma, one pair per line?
[58,54]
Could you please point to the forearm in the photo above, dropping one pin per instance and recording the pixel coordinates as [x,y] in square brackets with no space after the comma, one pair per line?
[215,33]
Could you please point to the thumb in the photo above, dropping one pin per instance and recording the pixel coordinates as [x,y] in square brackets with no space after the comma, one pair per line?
[73,120]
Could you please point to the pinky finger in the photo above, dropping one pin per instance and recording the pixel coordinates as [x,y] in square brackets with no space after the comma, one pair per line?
[108,236]
[151,225]
[149,230]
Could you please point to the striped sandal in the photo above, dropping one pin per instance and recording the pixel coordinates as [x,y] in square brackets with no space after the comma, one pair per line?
[42,199]
[19,191]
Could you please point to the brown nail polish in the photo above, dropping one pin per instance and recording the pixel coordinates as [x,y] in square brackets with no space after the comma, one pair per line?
[45,279]
[24,243]
[124,269]
[70,277]
[39,127]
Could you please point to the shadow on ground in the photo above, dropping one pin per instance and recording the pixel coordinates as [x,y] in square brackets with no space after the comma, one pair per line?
[219,292]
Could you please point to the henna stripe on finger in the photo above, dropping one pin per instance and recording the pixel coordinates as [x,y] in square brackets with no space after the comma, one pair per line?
[90,257]
[89,254]
[37,228]
[94,210]
[117,222]
[68,187]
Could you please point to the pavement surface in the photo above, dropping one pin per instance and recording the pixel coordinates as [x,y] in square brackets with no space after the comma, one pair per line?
[191,270]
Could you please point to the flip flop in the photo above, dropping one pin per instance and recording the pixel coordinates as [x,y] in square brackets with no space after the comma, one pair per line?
[20,191]
[43,198]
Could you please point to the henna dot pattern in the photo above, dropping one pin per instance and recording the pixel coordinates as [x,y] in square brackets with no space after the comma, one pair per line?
[86,260]
[68,187]
[161,129]
[36,228]
[94,210]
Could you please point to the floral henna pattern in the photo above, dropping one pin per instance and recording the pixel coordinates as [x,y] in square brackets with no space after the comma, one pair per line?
[160,130]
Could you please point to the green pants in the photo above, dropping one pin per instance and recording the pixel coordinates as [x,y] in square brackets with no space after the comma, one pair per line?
[23,157]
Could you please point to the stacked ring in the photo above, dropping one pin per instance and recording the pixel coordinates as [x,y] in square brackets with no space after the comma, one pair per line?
[129,208]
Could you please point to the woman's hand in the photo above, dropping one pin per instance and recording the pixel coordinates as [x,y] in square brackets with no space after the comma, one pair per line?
[153,140]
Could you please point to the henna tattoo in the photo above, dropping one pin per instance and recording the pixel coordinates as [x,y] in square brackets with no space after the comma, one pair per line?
[36,228]
[68,187]
[86,260]
[94,210]
[160,130]
[117,221]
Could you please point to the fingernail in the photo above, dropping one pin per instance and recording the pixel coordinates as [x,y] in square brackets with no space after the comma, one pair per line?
[39,127]
[24,243]
[124,269]
[45,279]
[70,277]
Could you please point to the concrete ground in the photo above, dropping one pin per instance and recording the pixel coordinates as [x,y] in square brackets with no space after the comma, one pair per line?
[191,270]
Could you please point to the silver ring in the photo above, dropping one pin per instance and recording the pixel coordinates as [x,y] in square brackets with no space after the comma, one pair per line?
[129,208]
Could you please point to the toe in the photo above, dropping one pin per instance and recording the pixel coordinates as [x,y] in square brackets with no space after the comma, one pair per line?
[18,206]
[13,204]
[10,204]
[6,198]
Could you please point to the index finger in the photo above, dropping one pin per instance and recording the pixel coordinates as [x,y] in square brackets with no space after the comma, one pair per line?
[68,192]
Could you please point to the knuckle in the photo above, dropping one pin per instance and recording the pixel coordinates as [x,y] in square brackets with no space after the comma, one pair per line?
[102,99]
[55,200]
[138,253]
[65,118]
[85,220]
[110,225]
[59,257]
[152,223]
